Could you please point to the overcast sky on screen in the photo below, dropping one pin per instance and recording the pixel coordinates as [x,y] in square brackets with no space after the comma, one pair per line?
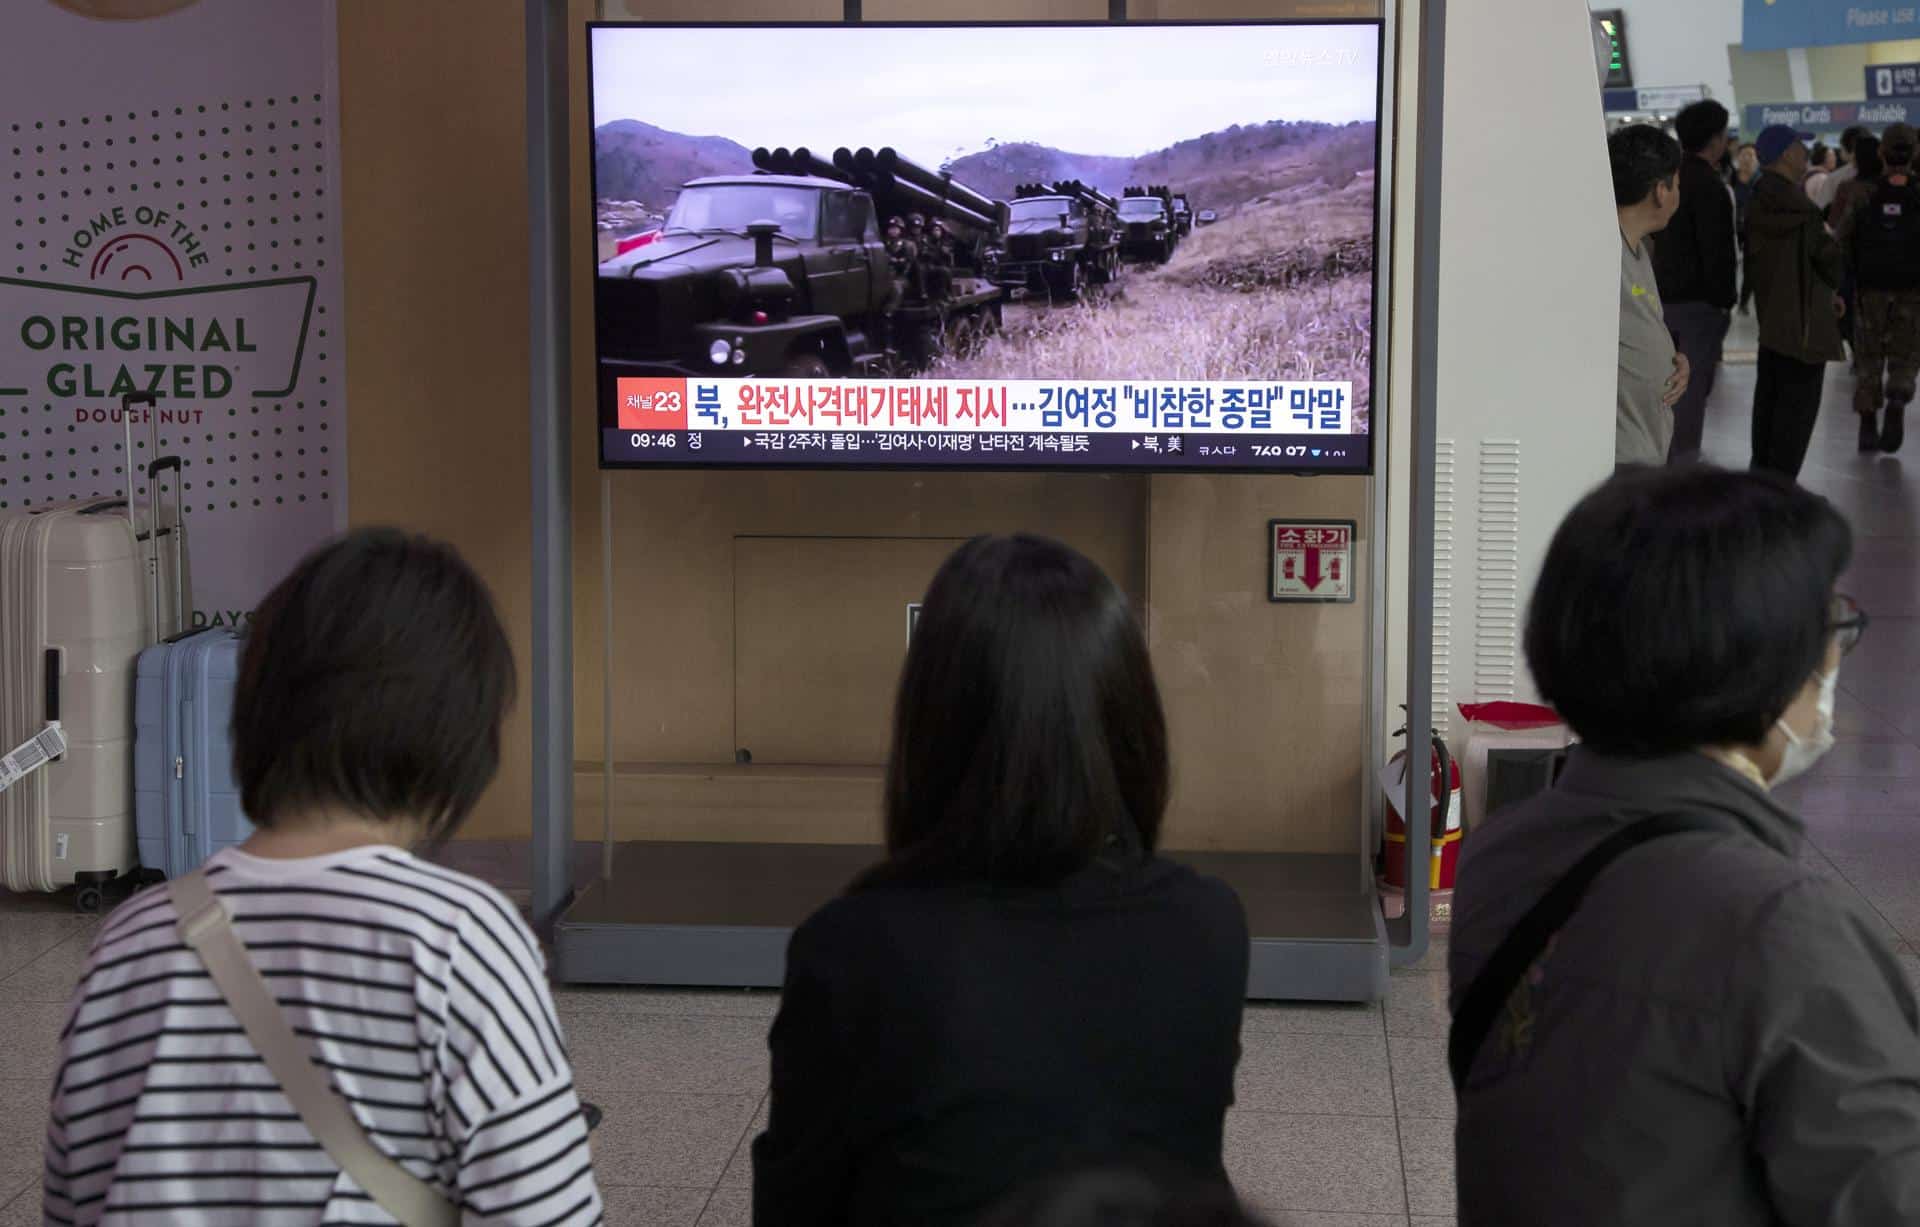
[934,92]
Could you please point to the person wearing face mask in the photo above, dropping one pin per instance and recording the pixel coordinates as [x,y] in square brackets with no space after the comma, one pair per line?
[1660,1015]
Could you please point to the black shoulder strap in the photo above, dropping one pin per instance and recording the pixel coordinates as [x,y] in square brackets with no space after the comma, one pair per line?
[1488,993]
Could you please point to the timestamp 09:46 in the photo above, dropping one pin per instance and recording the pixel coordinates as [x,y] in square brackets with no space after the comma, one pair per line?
[666,440]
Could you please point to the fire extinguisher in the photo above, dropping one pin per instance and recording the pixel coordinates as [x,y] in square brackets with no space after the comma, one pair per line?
[1444,818]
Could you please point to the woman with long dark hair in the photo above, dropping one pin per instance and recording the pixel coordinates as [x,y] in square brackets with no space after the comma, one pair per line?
[1022,987]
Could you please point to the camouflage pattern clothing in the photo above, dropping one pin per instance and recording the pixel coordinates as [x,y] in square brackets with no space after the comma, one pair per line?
[1886,349]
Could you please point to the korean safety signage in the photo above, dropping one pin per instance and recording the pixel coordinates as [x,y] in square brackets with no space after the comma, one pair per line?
[1312,560]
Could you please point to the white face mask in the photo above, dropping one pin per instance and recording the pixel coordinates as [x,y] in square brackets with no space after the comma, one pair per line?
[1801,753]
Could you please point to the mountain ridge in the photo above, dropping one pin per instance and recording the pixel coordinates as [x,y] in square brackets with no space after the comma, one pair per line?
[1223,169]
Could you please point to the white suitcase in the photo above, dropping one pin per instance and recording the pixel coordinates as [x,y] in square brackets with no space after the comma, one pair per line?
[76,617]
[83,590]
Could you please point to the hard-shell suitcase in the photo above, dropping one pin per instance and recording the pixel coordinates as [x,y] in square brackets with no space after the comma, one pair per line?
[186,804]
[73,615]
[83,588]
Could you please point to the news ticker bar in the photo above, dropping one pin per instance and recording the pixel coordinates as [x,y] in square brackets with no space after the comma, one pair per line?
[943,406]
[993,449]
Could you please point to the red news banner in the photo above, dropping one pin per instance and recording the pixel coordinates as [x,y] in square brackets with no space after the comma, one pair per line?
[944,405]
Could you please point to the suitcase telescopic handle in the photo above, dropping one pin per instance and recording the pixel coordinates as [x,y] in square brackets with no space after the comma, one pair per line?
[176,530]
[127,403]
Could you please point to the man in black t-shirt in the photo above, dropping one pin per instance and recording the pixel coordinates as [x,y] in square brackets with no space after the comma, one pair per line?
[1695,258]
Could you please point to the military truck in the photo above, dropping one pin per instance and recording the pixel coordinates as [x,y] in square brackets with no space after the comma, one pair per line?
[1060,239]
[1151,233]
[1182,214]
[785,272]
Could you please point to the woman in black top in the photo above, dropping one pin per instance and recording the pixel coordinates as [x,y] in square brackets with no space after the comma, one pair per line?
[1022,987]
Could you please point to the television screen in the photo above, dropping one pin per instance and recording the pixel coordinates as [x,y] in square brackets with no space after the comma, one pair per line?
[1118,246]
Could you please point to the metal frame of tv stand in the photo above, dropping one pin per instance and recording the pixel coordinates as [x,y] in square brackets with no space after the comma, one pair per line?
[1284,966]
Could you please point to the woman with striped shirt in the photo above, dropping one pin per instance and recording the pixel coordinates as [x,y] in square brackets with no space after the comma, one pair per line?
[366,719]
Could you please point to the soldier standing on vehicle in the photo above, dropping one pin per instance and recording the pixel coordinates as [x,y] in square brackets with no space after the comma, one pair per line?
[1882,239]
[917,280]
[939,259]
[899,259]
[900,251]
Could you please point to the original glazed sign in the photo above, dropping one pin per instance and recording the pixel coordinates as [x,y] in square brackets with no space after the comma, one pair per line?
[169,215]
[191,348]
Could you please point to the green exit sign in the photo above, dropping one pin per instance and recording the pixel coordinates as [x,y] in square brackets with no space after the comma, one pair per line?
[1619,69]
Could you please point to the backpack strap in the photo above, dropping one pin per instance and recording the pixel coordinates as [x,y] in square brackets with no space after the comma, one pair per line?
[1487,995]
[206,926]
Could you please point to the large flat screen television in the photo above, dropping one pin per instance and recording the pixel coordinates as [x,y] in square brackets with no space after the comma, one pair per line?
[1137,246]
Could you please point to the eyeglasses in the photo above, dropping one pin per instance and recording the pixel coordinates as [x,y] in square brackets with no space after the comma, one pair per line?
[1848,622]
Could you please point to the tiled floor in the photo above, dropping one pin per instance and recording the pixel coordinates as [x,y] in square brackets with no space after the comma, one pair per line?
[1345,1113]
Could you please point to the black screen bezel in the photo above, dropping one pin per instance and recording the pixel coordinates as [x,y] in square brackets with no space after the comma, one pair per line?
[605,418]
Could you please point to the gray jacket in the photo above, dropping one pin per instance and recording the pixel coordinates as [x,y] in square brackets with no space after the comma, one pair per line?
[1718,1036]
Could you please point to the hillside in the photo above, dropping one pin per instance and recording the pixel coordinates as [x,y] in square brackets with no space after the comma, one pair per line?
[1224,170]
[637,161]
[1220,170]
[999,170]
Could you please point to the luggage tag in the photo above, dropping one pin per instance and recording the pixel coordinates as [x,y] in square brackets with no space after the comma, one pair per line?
[31,755]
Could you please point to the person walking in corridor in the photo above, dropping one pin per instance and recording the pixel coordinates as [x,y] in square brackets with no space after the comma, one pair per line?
[1697,260]
[1881,235]
[1797,268]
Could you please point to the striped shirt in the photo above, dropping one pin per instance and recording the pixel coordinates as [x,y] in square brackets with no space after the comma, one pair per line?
[426,998]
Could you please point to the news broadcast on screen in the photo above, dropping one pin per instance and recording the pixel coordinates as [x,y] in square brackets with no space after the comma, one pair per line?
[1175,272]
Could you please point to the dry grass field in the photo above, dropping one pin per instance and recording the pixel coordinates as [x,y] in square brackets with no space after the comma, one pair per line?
[1278,289]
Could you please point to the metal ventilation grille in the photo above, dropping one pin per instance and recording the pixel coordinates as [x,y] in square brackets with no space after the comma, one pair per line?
[1443,515]
[1496,616]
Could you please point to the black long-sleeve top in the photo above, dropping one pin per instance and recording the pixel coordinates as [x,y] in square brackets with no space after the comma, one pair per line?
[938,1047]
[1696,257]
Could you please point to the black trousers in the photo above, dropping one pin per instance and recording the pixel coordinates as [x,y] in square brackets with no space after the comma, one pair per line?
[1786,402]
[1698,330]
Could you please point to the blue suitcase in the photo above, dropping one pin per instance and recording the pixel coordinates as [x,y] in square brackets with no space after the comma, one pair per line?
[186,805]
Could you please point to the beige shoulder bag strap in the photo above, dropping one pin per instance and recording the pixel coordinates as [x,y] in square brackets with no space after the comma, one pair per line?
[206,926]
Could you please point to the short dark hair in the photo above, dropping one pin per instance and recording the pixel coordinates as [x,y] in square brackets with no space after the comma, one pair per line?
[1698,123]
[1866,156]
[1681,608]
[373,681]
[1642,156]
[1851,137]
[1150,1195]
[1028,735]
[1817,156]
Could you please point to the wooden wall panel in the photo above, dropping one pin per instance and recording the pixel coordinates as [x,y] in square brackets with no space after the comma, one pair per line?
[721,10]
[1266,703]
[434,223]
[1231,10]
[820,635]
[984,10]
[674,596]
